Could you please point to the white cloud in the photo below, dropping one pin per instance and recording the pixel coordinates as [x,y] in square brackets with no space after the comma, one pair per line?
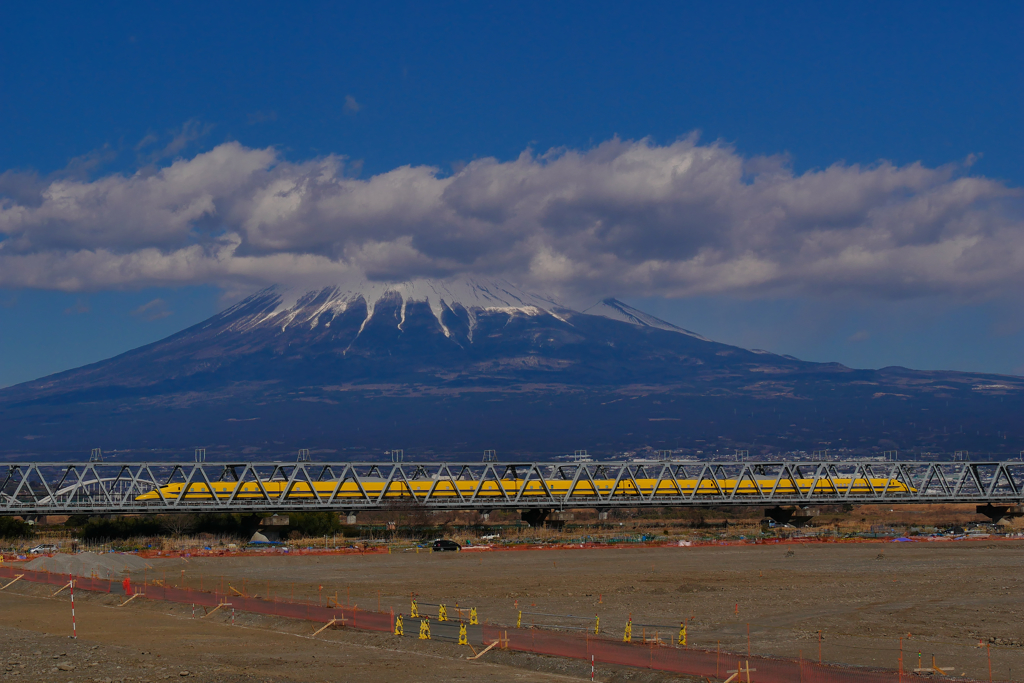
[351,106]
[624,218]
[152,310]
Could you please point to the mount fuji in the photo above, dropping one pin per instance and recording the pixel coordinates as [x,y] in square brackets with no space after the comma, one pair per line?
[443,367]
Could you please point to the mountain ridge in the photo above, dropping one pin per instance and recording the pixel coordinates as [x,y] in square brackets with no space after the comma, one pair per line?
[427,363]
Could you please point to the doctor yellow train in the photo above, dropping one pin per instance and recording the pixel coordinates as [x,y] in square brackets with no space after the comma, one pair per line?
[503,489]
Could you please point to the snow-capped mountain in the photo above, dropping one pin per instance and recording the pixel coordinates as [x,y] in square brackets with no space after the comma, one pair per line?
[467,299]
[321,305]
[438,363]
[421,331]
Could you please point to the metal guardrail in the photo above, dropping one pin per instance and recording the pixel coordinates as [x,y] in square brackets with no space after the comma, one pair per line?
[110,488]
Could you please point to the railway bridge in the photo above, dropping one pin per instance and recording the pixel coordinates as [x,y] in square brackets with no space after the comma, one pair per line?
[788,490]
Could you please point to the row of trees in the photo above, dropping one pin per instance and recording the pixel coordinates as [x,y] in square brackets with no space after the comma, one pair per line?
[224,524]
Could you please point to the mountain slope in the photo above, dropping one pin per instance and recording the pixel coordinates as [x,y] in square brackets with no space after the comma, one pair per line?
[446,364]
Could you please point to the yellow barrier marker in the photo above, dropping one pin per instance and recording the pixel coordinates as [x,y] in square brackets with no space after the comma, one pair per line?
[597,625]
[425,629]
[413,611]
[463,640]
[627,637]
[682,634]
[519,620]
[442,613]
[473,619]
[398,626]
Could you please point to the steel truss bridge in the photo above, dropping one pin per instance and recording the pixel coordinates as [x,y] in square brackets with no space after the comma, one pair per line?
[532,487]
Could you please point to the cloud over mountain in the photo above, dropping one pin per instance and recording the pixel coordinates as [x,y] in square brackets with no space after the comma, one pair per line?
[623,218]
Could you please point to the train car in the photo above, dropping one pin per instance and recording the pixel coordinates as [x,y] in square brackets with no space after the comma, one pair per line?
[523,488]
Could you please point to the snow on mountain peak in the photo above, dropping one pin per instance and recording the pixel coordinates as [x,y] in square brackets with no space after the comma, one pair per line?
[304,304]
[616,310]
[289,305]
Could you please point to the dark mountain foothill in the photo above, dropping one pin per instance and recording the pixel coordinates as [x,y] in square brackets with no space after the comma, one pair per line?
[448,369]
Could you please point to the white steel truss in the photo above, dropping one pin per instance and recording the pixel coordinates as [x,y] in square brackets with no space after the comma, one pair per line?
[110,488]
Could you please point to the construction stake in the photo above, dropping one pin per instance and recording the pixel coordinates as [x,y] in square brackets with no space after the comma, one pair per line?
[485,650]
[223,604]
[740,669]
[138,594]
[330,623]
[66,585]
[13,580]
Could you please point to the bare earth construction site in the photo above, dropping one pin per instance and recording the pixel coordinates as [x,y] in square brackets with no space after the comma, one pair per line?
[956,601]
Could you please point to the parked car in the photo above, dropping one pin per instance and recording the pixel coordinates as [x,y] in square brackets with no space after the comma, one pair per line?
[443,544]
[43,549]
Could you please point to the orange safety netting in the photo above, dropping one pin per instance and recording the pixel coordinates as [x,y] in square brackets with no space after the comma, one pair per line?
[83,582]
[692,661]
[348,616]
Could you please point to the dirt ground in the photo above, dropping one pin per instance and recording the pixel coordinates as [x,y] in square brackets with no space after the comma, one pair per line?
[943,598]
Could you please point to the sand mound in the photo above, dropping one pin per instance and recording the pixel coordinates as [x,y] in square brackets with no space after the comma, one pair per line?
[106,565]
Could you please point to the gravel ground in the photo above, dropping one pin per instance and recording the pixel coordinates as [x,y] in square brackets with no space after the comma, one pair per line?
[102,565]
[149,641]
[941,598]
[862,597]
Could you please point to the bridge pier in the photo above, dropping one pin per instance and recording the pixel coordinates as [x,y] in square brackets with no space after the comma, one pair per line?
[791,514]
[350,518]
[1000,512]
[602,514]
[538,517]
[535,517]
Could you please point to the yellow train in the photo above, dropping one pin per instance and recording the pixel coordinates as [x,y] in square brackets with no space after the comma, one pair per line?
[499,489]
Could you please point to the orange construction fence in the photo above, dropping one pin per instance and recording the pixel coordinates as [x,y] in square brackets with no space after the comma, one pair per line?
[692,661]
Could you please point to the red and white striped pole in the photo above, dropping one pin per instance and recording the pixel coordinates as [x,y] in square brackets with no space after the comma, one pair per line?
[591,667]
[74,627]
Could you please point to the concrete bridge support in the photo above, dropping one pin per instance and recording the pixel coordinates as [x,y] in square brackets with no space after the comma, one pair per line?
[796,515]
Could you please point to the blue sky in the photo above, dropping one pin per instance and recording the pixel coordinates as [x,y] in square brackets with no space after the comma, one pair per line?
[92,95]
